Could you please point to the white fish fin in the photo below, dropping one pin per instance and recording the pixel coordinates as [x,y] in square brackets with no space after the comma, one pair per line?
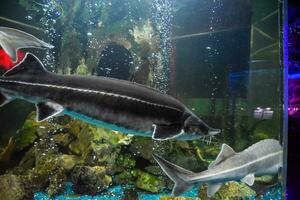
[180,176]
[213,188]
[5,99]
[249,179]
[12,39]
[9,49]
[30,64]
[226,152]
[181,187]
[46,110]
[165,132]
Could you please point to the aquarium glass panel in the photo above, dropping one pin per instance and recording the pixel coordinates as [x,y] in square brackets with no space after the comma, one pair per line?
[141,99]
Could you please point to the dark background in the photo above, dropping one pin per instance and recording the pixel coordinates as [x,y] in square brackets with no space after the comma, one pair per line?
[293,173]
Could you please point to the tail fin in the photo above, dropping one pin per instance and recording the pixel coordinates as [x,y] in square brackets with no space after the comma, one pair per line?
[12,39]
[180,176]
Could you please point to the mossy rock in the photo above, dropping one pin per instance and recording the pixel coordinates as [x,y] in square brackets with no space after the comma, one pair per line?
[155,170]
[35,180]
[178,198]
[142,146]
[11,187]
[229,191]
[149,182]
[125,161]
[46,163]
[57,180]
[63,139]
[30,131]
[26,136]
[260,135]
[126,177]
[90,180]
[67,162]
[141,179]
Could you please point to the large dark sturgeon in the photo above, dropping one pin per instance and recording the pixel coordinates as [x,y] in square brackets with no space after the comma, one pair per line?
[115,104]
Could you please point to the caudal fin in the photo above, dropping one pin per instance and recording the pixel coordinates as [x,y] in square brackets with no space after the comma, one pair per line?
[12,39]
[180,176]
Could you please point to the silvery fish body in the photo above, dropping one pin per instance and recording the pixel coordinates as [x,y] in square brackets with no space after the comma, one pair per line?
[262,158]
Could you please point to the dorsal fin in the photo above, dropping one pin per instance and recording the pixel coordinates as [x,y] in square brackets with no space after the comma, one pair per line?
[226,152]
[30,64]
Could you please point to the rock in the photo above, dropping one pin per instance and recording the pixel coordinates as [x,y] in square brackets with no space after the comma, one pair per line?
[266,180]
[27,162]
[141,180]
[126,177]
[34,181]
[155,170]
[178,198]
[230,190]
[130,194]
[11,187]
[124,162]
[90,180]
[263,183]
[6,153]
[142,146]
[26,136]
[57,180]
[63,139]
[149,182]
[67,162]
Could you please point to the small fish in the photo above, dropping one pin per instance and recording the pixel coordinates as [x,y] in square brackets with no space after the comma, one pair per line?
[111,103]
[262,158]
[6,62]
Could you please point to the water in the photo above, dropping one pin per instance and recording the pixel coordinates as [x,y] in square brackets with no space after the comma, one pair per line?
[221,58]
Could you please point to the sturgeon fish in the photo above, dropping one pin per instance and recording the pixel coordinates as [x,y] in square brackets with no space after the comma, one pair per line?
[111,103]
[262,158]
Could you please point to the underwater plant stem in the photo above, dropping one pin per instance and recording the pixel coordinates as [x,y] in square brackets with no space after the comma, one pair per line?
[198,152]
[21,23]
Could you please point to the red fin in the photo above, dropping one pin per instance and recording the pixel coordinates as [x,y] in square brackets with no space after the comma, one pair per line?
[6,62]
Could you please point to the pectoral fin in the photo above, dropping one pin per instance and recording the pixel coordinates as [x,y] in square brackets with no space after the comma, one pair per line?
[213,188]
[164,132]
[4,99]
[46,110]
[249,179]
